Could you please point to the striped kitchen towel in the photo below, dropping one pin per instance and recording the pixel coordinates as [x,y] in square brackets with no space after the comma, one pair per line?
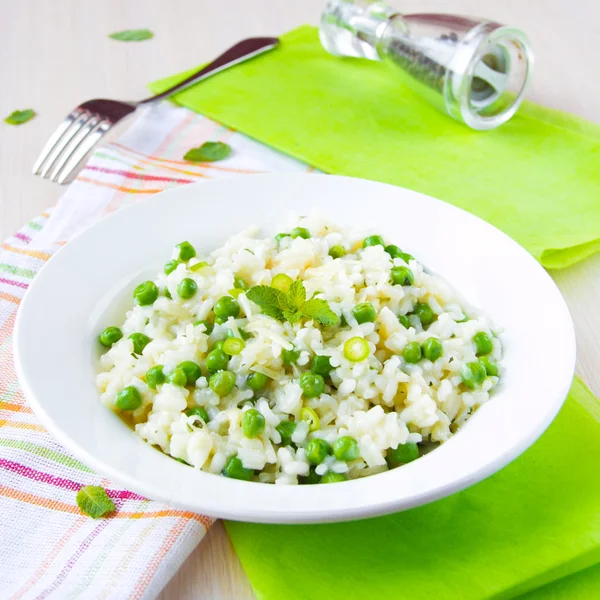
[48,549]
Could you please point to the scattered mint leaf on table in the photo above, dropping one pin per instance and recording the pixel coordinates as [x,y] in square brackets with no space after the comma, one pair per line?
[18,117]
[292,306]
[132,35]
[94,501]
[208,152]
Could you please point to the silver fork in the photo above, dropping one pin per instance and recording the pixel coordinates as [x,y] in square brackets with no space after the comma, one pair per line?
[88,122]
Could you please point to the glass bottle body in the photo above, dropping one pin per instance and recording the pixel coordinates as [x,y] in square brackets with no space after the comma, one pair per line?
[476,71]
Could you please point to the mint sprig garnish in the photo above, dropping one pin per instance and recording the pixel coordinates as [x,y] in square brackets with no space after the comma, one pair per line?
[94,501]
[292,306]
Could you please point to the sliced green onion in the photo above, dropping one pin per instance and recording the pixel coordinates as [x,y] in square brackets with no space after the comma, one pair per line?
[311,417]
[198,266]
[356,349]
[233,346]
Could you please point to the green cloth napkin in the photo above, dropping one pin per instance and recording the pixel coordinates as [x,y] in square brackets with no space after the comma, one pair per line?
[536,178]
[533,522]
[537,520]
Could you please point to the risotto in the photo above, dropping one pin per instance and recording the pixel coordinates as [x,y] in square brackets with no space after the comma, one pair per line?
[316,356]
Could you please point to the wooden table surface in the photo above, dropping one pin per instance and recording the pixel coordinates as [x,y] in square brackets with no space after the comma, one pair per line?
[56,54]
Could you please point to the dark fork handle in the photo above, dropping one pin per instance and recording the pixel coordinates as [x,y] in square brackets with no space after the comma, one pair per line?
[239,52]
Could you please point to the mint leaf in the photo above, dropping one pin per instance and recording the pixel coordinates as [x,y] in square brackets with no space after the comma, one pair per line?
[318,310]
[18,117]
[292,306]
[208,152]
[297,294]
[94,501]
[292,316]
[132,35]
[272,302]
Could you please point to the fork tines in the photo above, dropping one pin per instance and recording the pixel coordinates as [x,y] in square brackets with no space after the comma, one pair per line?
[68,145]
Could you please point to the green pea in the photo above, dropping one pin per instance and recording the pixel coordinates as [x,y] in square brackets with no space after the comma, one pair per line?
[171,266]
[140,341]
[155,376]
[110,336]
[483,343]
[280,236]
[331,477]
[393,251]
[337,251]
[146,293]
[253,423]
[402,276]
[192,371]
[168,294]
[425,313]
[412,353]
[317,450]
[233,346]
[218,345]
[432,349]
[473,374]
[282,282]
[491,368]
[290,356]
[300,232]
[286,431]
[346,448]
[396,252]
[403,454]
[187,288]
[312,477]
[404,321]
[216,360]
[321,365]
[128,398]
[256,381]
[312,384]
[208,327]
[236,470]
[226,307]
[364,313]
[239,283]
[185,251]
[373,240]
[198,411]
[222,383]
[243,334]
[177,377]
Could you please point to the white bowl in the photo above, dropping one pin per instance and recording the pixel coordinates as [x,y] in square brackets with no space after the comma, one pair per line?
[67,306]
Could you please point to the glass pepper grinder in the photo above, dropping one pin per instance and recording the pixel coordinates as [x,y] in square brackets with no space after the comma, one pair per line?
[474,70]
